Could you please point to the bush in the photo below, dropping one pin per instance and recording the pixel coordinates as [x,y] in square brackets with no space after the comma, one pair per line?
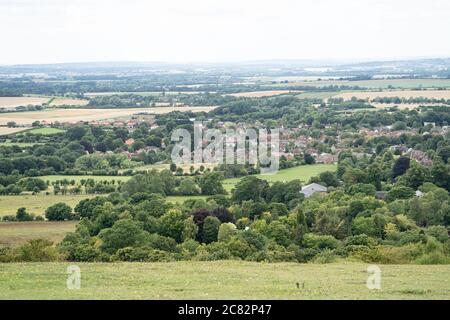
[226,231]
[213,251]
[438,232]
[326,256]
[38,250]
[23,215]
[320,242]
[59,212]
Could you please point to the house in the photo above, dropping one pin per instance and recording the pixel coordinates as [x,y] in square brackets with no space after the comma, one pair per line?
[312,188]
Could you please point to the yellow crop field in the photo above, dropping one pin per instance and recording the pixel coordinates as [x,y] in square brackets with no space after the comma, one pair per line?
[76,115]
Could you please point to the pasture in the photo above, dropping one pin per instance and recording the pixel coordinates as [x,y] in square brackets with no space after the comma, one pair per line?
[77,115]
[45,131]
[142,93]
[222,280]
[17,233]
[303,173]
[36,204]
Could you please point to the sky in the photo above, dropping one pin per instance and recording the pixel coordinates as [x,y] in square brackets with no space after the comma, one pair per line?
[182,31]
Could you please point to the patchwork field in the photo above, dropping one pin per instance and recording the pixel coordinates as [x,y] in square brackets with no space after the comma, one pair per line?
[258,94]
[16,233]
[222,280]
[431,94]
[76,115]
[12,102]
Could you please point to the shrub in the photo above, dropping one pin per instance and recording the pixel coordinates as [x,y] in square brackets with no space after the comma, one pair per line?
[23,215]
[325,256]
[213,251]
[37,250]
[59,212]
[210,229]
[226,231]
[320,241]
[438,232]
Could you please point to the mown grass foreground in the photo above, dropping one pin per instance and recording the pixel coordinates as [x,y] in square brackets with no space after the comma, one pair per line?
[222,280]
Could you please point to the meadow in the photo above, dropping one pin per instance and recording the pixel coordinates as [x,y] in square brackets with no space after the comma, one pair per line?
[222,280]
[303,173]
[17,233]
[36,204]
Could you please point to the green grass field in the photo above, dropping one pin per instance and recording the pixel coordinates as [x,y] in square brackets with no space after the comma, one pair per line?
[45,131]
[222,280]
[84,177]
[36,204]
[16,233]
[304,173]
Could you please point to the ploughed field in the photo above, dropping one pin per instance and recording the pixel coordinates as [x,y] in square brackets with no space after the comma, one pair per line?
[222,280]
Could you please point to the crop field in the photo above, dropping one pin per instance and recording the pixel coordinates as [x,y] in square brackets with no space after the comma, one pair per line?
[304,173]
[431,94]
[4,131]
[403,106]
[68,101]
[76,115]
[16,233]
[374,84]
[143,93]
[12,102]
[36,204]
[258,94]
[317,95]
[222,280]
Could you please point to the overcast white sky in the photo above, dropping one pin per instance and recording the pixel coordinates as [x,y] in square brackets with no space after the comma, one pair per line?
[48,31]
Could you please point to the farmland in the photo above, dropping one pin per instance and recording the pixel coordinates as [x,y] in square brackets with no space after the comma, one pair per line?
[222,280]
[68,101]
[12,102]
[4,131]
[373,84]
[16,233]
[76,115]
[370,95]
[258,94]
